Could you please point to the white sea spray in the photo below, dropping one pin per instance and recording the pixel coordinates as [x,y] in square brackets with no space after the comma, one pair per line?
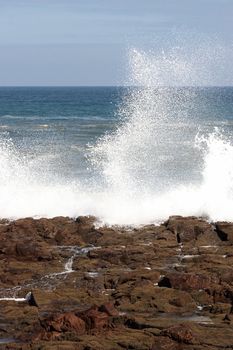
[159,161]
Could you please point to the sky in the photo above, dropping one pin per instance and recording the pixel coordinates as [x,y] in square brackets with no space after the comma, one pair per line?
[86,42]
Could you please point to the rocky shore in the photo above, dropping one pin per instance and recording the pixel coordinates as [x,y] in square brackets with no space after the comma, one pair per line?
[149,288]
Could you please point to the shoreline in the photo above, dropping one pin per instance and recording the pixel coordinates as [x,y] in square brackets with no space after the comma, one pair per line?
[151,287]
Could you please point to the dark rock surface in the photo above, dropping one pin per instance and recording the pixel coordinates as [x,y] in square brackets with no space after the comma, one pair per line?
[146,288]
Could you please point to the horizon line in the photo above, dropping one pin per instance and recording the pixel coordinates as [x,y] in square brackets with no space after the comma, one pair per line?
[109,86]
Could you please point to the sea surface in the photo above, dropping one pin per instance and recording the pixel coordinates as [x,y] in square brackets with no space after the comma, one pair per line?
[127,155]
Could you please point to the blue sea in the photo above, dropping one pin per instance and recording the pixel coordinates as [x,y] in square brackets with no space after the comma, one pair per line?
[126,155]
[56,124]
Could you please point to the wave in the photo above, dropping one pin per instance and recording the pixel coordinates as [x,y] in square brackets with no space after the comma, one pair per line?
[26,192]
[159,161]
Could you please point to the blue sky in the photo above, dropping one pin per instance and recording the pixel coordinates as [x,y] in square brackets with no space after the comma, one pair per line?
[85,42]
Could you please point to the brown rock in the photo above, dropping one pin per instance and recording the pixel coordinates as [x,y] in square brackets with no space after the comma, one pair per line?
[192,229]
[180,333]
[186,281]
[154,282]
[109,309]
[165,343]
[94,319]
[32,251]
[225,231]
[65,322]
[86,229]
[128,256]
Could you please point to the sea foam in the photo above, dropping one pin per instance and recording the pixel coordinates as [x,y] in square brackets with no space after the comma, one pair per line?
[159,161]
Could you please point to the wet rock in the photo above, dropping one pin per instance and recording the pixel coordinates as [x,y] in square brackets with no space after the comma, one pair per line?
[30,299]
[165,343]
[227,318]
[148,298]
[156,287]
[220,308]
[181,333]
[137,277]
[86,223]
[61,230]
[221,295]
[95,319]
[128,256]
[30,251]
[86,229]
[114,256]
[226,275]
[109,309]
[64,323]
[186,281]
[225,231]
[192,229]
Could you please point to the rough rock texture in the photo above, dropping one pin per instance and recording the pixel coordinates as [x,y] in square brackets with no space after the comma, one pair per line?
[146,288]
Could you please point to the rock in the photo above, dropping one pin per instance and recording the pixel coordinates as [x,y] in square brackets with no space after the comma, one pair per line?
[181,333]
[31,299]
[220,308]
[152,287]
[137,277]
[227,318]
[109,309]
[86,229]
[86,223]
[225,231]
[192,229]
[185,281]
[30,251]
[128,256]
[66,322]
[114,256]
[165,343]
[94,319]
[146,298]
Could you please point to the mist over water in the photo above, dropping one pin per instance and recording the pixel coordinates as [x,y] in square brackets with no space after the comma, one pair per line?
[168,152]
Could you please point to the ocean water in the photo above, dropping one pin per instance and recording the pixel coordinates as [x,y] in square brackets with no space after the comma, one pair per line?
[128,155]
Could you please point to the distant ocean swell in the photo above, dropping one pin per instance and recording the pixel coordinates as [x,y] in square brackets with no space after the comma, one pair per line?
[163,158]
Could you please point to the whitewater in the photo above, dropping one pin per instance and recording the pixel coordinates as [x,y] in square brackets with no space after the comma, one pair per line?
[163,156]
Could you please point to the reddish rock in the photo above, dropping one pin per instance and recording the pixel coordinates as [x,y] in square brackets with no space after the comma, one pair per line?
[165,343]
[109,309]
[86,229]
[114,256]
[85,224]
[61,230]
[28,250]
[94,319]
[221,294]
[65,322]
[191,229]
[23,249]
[131,269]
[180,333]
[129,256]
[186,281]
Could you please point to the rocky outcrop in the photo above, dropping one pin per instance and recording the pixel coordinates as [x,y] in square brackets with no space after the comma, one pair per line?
[186,281]
[54,326]
[181,333]
[192,229]
[225,231]
[146,288]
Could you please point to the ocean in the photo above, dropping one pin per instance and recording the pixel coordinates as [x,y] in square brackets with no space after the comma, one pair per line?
[128,155]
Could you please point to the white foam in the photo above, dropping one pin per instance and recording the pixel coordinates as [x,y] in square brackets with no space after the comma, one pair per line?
[22,194]
[13,299]
[93,274]
[151,167]
[69,265]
